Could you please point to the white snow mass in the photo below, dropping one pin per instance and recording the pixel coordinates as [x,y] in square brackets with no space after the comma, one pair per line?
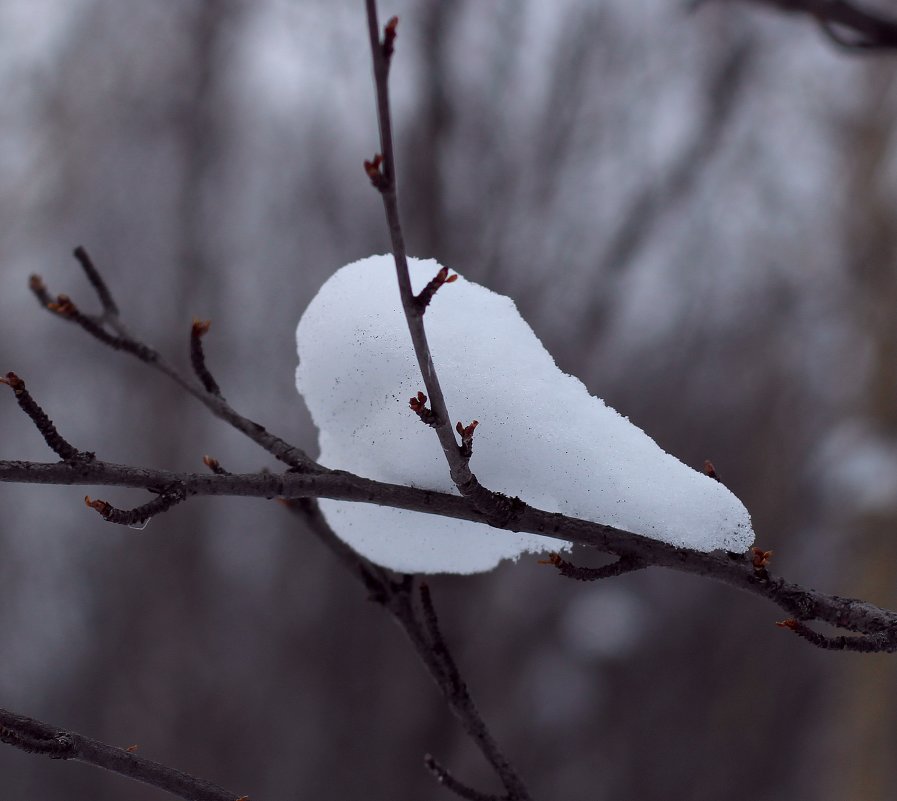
[541,435]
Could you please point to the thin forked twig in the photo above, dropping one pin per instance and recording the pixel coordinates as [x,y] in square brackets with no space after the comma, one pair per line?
[422,629]
[425,637]
[122,339]
[847,24]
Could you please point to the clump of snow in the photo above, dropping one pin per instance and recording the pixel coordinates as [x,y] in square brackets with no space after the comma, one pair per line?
[541,435]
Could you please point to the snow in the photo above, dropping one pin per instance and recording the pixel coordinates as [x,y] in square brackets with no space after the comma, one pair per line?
[541,436]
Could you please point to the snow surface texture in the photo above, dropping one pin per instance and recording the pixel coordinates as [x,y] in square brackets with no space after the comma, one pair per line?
[541,436]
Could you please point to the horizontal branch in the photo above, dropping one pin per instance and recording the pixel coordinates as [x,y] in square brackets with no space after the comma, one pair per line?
[736,570]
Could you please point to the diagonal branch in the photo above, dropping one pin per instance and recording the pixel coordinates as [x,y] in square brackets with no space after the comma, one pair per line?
[109,329]
[396,596]
[35,737]
[42,422]
[847,24]
[445,778]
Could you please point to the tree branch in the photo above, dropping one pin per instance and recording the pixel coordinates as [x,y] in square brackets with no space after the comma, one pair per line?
[736,570]
[396,596]
[383,175]
[847,24]
[36,737]
[109,329]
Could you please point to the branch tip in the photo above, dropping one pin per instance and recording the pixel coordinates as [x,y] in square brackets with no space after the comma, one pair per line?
[64,306]
[423,299]
[201,327]
[13,382]
[389,39]
[466,433]
[710,471]
[101,507]
[198,357]
[418,405]
[213,464]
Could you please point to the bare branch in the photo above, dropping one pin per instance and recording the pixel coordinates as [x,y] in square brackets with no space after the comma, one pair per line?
[442,775]
[138,517]
[110,307]
[847,24]
[736,570]
[57,443]
[198,357]
[624,564]
[883,642]
[396,596]
[385,181]
[36,737]
[122,339]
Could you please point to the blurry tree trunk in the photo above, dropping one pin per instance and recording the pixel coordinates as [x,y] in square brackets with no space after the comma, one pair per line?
[864,767]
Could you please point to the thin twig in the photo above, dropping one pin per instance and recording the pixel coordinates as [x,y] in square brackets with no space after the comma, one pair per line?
[442,775]
[168,497]
[458,463]
[122,339]
[437,641]
[397,597]
[198,357]
[868,31]
[624,564]
[110,307]
[56,442]
[36,737]
[882,642]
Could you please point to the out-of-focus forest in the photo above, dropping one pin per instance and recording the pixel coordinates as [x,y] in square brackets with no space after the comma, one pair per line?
[694,210]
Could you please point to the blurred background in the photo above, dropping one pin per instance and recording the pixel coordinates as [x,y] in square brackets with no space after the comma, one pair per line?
[694,211]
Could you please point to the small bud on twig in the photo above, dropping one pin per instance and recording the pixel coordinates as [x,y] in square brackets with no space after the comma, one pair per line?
[419,407]
[213,465]
[201,327]
[426,294]
[389,39]
[710,470]
[374,170]
[466,433]
[760,558]
[63,306]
